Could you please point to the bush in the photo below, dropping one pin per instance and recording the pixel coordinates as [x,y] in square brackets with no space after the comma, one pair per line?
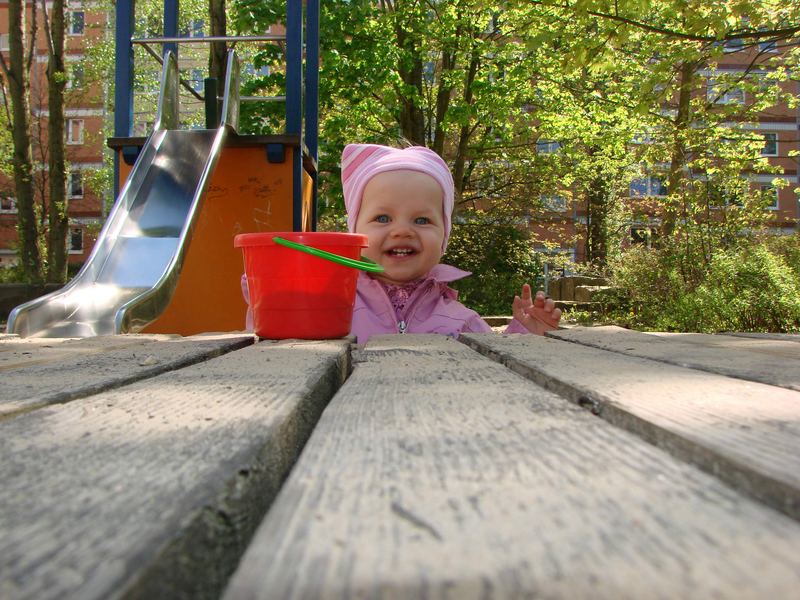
[745,288]
[500,258]
[749,290]
[12,274]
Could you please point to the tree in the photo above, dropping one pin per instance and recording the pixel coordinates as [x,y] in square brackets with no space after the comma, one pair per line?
[58,224]
[16,72]
[217,50]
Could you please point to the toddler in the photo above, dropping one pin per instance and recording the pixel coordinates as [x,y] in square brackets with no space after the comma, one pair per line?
[402,200]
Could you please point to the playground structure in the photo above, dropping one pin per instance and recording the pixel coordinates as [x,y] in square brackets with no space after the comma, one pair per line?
[164,261]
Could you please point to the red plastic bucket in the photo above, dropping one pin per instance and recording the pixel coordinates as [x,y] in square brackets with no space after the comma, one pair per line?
[294,294]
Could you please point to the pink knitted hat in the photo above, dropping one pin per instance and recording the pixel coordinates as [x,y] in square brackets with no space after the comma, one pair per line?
[361,162]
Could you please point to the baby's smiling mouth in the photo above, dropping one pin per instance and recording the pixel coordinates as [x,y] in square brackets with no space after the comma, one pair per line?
[400,252]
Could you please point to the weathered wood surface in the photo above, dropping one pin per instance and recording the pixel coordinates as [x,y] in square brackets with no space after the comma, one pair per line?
[746,433]
[438,473]
[153,490]
[39,372]
[770,361]
[789,337]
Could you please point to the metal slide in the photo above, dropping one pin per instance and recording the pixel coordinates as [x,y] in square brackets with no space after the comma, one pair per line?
[133,269]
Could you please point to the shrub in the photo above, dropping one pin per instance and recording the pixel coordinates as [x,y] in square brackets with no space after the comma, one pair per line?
[500,257]
[752,289]
[745,288]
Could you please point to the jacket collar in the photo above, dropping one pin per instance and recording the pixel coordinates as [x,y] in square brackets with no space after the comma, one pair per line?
[440,273]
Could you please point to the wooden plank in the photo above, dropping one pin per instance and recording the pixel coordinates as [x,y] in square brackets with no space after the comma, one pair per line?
[153,490]
[53,373]
[23,352]
[789,337]
[746,433]
[437,473]
[774,362]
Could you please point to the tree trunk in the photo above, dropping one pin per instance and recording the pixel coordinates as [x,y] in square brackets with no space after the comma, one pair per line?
[411,117]
[466,129]
[16,72]
[57,201]
[443,97]
[218,51]
[597,230]
[678,156]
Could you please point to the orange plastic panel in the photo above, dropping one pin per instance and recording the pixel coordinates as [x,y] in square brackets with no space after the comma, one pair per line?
[246,194]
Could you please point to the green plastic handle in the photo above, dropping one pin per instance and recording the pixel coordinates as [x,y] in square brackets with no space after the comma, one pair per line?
[342,260]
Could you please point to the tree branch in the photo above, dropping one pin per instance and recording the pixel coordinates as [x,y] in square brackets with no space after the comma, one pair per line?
[32,40]
[47,33]
[785,32]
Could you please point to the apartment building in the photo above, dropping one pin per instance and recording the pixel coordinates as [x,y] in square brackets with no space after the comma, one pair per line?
[85,137]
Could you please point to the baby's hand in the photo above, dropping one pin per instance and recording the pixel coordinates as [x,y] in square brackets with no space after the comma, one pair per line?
[538,315]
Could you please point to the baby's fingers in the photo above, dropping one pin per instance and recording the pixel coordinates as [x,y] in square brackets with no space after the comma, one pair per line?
[526,292]
[540,300]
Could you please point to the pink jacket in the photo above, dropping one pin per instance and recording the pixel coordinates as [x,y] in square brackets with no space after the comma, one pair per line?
[432,308]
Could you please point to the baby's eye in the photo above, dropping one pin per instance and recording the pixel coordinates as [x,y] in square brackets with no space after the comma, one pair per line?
[382,218]
[422,220]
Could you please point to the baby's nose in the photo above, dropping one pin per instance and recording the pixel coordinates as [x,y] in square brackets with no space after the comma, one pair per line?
[402,230]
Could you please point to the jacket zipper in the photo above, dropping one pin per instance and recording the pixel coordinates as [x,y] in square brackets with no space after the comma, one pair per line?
[402,324]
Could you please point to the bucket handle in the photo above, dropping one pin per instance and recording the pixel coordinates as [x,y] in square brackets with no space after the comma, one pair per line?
[364,265]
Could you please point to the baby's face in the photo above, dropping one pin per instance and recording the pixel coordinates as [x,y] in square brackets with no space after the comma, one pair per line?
[401,214]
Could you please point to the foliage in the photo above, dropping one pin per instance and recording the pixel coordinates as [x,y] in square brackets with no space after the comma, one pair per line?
[499,254]
[12,274]
[744,287]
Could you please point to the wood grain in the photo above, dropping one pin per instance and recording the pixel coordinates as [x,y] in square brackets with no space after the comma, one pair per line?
[746,433]
[789,337]
[770,361]
[437,473]
[153,490]
[49,372]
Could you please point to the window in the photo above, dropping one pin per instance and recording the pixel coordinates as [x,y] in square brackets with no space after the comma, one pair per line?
[76,78]
[8,205]
[4,41]
[643,137]
[547,146]
[768,45]
[75,241]
[642,235]
[724,94]
[251,71]
[76,184]
[197,81]
[554,203]
[651,185]
[770,144]
[75,131]
[773,196]
[196,28]
[734,45]
[76,22]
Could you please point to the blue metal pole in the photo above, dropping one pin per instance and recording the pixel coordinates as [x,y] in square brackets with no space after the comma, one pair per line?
[123,77]
[312,97]
[294,102]
[170,25]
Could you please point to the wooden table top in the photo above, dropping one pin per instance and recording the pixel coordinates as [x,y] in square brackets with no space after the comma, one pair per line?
[594,462]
